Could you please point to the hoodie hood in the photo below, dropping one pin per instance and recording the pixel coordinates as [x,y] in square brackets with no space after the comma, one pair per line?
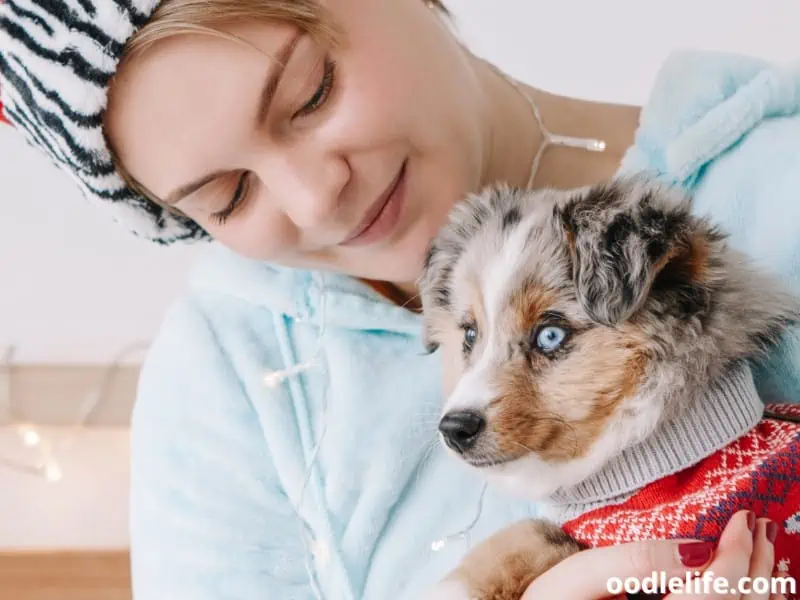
[341,301]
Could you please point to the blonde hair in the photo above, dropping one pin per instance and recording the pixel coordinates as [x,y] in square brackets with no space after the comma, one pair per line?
[209,17]
[178,17]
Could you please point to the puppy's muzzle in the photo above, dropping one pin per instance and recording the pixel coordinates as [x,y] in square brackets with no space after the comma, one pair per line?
[462,429]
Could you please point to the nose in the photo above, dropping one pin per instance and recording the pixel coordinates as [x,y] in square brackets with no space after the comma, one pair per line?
[306,183]
[461,429]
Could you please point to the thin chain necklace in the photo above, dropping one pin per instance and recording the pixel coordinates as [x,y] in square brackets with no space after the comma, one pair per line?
[548,137]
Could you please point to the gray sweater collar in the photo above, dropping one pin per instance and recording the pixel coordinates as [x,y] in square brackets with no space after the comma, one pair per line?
[730,409]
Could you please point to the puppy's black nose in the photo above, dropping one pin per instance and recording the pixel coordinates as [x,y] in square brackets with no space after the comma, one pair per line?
[461,429]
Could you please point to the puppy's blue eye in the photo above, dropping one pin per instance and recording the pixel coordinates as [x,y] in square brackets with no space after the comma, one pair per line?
[470,337]
[550,338]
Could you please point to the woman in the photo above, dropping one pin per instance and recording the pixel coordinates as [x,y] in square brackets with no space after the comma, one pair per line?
[284,436]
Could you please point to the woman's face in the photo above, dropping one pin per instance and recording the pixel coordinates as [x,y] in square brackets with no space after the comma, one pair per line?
[291,164]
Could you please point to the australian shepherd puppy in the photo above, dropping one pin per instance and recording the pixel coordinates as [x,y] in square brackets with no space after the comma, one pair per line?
[590,324]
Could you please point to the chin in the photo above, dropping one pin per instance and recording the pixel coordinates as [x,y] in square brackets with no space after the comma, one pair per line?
[528,478]
[404,260]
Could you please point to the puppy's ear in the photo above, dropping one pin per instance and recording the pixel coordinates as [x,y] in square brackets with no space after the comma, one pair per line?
[630,240]
[493,213]
[465,220]
[435,290]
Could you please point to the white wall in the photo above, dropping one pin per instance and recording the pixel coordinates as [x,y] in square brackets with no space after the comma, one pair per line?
[77,288]
[609,50]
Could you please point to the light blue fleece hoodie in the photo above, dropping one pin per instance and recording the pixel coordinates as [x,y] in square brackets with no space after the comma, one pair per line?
[220,460]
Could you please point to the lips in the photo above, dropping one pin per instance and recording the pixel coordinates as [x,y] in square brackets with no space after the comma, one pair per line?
[381,217]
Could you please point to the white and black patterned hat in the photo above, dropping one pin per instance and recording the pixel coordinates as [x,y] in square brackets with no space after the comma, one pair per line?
[57,58]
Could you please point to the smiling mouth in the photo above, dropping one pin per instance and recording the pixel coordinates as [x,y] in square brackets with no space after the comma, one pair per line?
[383,215]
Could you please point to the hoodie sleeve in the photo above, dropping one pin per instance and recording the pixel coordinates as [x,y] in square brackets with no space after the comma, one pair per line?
[704,104]
[209,520]
[727,128]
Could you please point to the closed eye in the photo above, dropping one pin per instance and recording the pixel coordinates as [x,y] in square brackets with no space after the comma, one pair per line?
[322,93]
[239,196]
[317,100]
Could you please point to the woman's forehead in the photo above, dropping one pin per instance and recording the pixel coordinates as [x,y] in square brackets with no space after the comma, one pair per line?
[174,107]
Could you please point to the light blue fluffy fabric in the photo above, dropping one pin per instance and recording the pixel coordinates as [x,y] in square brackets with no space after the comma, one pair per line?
[727,129]
[220,459]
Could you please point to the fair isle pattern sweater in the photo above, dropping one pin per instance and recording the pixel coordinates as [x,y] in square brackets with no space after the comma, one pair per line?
[722,455]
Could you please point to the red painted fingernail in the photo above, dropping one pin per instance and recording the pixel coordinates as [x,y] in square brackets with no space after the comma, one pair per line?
[751,520]
[772,531]
[695,554]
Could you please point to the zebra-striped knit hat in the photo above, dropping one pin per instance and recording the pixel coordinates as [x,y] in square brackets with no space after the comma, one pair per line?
[57,58]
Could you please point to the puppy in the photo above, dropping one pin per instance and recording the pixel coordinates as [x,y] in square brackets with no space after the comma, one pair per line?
[605,336]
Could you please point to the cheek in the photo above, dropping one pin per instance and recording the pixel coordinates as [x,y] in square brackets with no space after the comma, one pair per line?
[560,412]
[256,231]
[434,110]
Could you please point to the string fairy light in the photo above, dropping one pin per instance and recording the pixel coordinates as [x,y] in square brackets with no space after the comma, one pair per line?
[30,437]
[48,467]
[441,543]
[314,548]
[272,379]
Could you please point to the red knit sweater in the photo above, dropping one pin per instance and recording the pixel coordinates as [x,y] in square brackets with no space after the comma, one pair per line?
[759,471]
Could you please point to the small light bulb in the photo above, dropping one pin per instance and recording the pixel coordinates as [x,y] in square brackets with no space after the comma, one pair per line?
[52,472]
[273,379]
[31,438]
[322,553]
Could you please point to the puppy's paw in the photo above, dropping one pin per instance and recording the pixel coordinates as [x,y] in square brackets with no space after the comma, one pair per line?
[504,565]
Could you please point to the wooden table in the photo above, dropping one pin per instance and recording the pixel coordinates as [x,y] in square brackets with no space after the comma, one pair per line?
[65,576]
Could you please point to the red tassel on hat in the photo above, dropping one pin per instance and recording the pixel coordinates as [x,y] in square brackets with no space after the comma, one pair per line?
[2,116]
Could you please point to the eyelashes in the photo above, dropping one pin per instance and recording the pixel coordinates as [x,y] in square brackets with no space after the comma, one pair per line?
[240,194]
[317,101]
[323,91]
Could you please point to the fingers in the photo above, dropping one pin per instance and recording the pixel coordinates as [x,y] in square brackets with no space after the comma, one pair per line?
[762,562]
[588,574]
[744,555]
[744,561]
[779,590]
[731,560]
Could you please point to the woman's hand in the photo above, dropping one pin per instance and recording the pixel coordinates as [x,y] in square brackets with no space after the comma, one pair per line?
[741,553]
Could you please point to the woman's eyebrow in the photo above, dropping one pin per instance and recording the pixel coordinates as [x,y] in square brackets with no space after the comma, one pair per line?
[190,188]
[271,83]
[274,76]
